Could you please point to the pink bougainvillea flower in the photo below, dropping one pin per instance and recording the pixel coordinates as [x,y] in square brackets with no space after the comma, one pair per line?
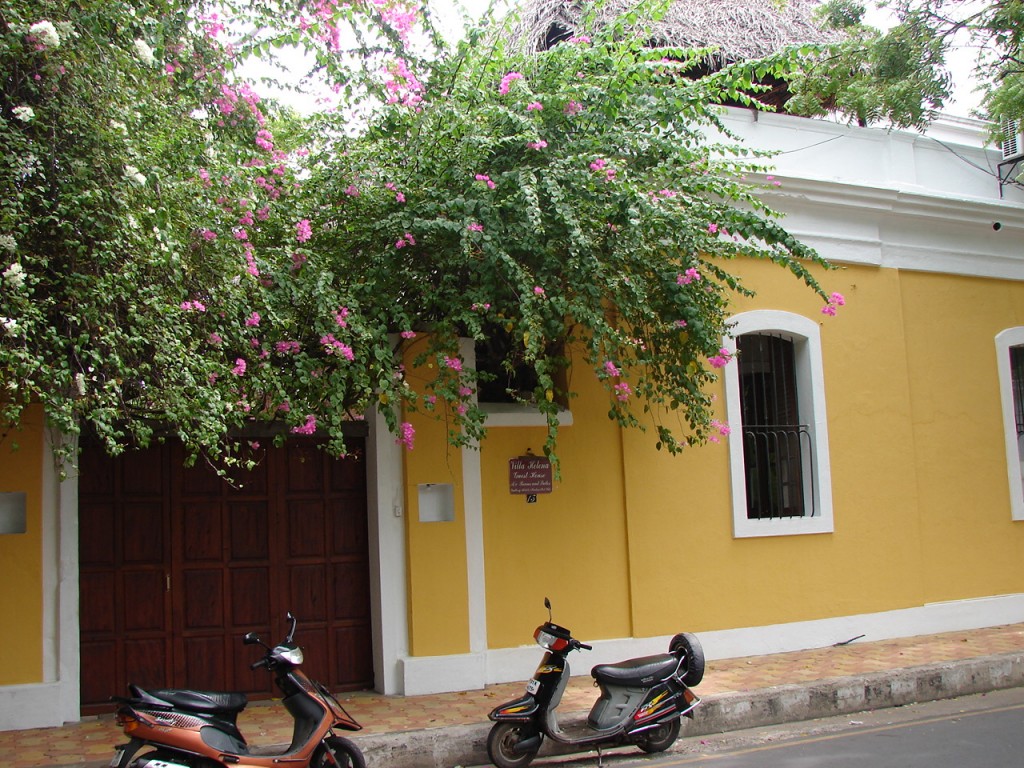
[611,369]
[474,227]
[538,291]
[537,144]
[406,435]
[622,391]
[721,359]
[507,80]
[303,231]
[486,179]
[598,164]
[308,428]
[713,228]
[534,106]
[240,366]
[334,347]
[573,108]
[688,277]
[454,363]
[253,319]
[835,300]
[340,315]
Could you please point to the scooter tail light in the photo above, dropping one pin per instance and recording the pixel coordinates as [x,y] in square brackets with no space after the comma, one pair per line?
[126,722]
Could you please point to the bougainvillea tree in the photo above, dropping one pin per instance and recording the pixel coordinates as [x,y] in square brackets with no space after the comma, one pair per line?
[583,198]
[180,257]
[153,231]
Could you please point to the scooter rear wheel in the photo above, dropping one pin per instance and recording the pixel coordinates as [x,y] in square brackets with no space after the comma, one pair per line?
[501,746]
[337,752]
[658,739]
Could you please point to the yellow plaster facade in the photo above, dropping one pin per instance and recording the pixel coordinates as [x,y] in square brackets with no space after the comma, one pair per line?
[21,556]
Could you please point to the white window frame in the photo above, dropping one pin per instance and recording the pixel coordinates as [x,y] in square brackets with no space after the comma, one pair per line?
[806,336]
[1011,337]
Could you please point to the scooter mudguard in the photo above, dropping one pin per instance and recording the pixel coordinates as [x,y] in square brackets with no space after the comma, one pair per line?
[521,710]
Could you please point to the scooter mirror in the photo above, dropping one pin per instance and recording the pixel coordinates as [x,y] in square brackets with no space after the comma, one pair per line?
[251,638]
[547,604]
[291,631]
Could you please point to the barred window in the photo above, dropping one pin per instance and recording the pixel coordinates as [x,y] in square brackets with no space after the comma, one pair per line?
[1017,387]
[1010,366]
[775,401]
[776,445]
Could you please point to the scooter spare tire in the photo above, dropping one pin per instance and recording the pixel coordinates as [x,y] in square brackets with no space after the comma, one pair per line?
[502,743]
[693,657]
[658,739]
[337,752]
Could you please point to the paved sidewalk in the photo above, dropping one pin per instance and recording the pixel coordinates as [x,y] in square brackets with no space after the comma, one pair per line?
[447,730]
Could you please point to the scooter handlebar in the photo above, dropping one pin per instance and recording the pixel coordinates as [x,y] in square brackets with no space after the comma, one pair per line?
[257,664]
[584,646]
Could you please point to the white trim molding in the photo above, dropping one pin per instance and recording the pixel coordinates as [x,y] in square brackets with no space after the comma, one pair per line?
[806,336]
[508,665]
[1011,337]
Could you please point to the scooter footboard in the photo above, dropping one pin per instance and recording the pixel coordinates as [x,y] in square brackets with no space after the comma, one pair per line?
[520,710]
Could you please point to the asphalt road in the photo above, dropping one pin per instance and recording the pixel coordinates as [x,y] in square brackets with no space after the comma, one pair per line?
[984,731]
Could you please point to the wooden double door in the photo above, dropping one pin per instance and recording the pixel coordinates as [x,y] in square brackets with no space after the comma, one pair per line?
[176,565]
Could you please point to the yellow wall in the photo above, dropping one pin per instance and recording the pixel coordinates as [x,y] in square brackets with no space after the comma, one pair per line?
[21,593]
[436,551]
[971,547]
[571,544]
[637,542]
[872,561]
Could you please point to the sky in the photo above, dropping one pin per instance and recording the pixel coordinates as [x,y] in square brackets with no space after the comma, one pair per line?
[961,59]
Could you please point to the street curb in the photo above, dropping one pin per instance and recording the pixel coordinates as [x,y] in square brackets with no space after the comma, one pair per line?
[466,744]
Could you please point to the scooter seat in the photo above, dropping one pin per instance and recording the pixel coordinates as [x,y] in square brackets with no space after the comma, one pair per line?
[642,671]
[210,702]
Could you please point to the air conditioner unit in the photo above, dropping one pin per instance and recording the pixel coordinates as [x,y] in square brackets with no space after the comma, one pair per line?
[1013,140]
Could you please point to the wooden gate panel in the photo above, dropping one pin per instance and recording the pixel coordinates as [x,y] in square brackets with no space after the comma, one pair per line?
[160,540]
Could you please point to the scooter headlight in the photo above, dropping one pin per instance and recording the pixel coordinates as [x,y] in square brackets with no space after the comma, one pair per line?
[290,653]
[549,641]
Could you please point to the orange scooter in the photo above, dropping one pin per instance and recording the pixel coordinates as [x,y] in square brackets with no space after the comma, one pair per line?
[198,729]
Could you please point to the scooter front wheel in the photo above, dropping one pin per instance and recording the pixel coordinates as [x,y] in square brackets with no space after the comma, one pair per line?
[502,743]
[337,752]
[658,739]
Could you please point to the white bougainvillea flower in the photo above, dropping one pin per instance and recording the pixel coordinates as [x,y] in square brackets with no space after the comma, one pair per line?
[14,275]
[44,33]
[144,52]
[24,113]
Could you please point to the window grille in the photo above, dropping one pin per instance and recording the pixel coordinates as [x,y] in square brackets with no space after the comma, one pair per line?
[777,451]
[1017,386]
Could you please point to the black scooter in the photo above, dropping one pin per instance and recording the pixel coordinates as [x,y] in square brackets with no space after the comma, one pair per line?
[641,703]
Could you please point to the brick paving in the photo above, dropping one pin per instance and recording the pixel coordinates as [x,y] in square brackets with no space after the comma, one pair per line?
[91,741]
